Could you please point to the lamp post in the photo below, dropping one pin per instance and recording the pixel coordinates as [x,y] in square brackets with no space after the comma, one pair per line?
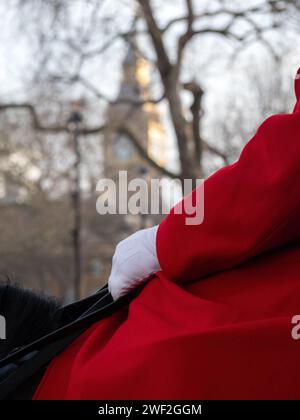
[74,124]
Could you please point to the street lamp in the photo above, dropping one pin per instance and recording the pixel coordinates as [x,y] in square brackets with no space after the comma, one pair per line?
[74,125]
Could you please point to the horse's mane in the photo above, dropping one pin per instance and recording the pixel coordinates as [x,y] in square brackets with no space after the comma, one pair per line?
[29,315]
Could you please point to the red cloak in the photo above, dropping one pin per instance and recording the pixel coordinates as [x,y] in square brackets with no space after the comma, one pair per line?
[216,322]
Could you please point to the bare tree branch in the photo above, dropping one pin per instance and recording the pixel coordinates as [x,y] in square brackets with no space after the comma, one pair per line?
[128,100]
[169,77]
[230,12]
[52,129]
[102,48]
[196,110]
[184,39]
[156,36]
[37,124]
[191,18]
[144,154]
[55,129]
[212,149]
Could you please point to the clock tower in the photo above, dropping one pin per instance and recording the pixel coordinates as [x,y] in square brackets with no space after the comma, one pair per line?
[130,115]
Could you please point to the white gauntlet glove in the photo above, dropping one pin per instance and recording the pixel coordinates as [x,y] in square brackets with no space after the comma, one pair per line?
[134,261]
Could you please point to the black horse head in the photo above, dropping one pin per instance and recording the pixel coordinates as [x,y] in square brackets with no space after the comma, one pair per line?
[28,316]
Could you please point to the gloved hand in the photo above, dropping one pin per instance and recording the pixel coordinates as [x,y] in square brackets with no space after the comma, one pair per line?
[134,261]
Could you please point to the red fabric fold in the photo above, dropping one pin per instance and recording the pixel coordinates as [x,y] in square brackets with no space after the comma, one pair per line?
[225,337]
[297,91]
[251,206]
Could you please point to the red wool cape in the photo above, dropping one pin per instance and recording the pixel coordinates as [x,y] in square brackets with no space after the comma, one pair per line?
[215,323]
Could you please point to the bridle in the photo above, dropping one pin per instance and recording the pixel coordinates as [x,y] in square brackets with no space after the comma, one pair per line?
[21,364]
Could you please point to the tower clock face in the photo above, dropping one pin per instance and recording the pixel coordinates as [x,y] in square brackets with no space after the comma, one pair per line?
[123,148]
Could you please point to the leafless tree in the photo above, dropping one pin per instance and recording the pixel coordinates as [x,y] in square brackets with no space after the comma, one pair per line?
[240,25]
